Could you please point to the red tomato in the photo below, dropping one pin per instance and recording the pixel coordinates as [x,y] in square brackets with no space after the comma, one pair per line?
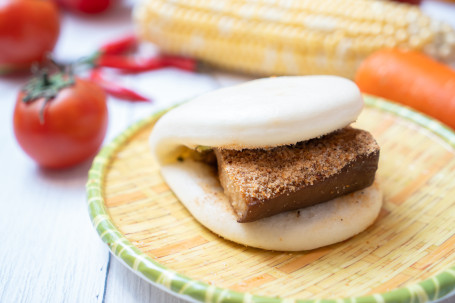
[28,31]
[86,6]
[72,129]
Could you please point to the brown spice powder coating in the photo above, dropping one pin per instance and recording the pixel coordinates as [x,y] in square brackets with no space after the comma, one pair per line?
[253,175]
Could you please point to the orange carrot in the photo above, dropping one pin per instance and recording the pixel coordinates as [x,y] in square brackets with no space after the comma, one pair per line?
[410,78]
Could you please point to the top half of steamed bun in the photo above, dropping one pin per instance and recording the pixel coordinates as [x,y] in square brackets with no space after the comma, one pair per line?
[261,113]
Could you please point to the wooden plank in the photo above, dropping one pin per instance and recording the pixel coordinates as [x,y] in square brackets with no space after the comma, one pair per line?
[49,251]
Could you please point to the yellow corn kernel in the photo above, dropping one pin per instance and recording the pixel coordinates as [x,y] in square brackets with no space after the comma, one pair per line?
[267,37]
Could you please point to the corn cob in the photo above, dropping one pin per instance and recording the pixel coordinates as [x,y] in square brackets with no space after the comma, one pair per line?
[273,37]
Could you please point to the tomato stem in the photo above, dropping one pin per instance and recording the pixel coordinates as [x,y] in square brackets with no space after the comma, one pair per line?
[41,112]
[47,83]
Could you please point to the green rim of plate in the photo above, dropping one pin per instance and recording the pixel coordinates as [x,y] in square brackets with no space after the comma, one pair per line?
[430,289]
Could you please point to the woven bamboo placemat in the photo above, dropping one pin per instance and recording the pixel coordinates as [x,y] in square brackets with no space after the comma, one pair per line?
[413,239]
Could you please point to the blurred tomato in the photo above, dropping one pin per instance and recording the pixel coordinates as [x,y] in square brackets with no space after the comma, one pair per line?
[28,30]
[64,130]
[86,6]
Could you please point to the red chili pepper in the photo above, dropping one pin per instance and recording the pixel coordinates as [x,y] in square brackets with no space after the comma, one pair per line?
[112,55]
[130,63]
[119,46]
[183,63]
[115,89]
[133,64]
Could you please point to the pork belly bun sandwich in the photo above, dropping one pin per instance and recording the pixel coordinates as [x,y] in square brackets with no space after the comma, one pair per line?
[273,163]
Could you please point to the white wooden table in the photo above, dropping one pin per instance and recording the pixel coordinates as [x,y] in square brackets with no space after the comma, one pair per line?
[49,251]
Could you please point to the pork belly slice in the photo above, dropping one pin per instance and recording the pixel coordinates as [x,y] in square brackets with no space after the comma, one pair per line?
[264,182]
